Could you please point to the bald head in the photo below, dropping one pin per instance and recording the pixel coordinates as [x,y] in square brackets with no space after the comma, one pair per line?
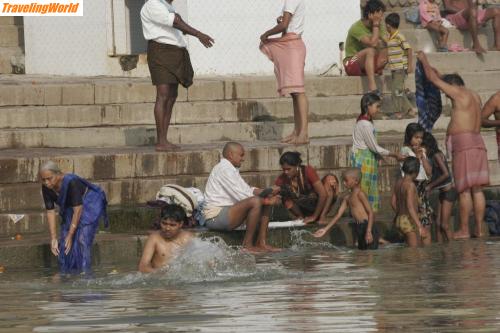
[353,173]
[234,153]
[231,147]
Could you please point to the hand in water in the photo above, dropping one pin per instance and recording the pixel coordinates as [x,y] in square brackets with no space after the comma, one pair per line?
[309,219]
[54,247]
[369,237]
[320,233]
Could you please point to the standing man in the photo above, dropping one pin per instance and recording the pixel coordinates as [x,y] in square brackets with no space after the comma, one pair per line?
[464,142]
[168,60]
[365,53]
[466,16]
[230,201]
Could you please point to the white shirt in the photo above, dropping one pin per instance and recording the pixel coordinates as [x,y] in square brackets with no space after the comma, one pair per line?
[157,18]
[421,172]
[298,10]
[225,187]
[363,137]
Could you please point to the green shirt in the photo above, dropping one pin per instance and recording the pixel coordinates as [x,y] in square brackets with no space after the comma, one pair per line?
[356,32]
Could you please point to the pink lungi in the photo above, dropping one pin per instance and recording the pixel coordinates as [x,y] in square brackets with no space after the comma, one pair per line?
[288,54]
[460,22]
[469,160]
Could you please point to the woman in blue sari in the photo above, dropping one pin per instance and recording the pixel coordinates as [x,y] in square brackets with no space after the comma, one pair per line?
[81,206]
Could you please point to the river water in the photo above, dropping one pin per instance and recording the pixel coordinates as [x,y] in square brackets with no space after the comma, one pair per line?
[311,287]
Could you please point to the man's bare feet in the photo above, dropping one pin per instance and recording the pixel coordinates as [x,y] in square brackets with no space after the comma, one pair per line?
[494,48]
[253,249]
[269,248]
[300,140]
[166,147]
[290,137]
[479,235]
[478,49]
[461,235]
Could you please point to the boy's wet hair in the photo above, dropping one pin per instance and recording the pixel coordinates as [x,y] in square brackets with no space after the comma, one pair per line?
[373,6]
[173,212]
[367,100]
[453,79]
[411,165]
[352,172]
[291,158]
[392,20]
[411,130]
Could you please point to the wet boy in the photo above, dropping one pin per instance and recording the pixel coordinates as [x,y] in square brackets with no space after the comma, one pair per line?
[405,202]
[364,231]
[163,246]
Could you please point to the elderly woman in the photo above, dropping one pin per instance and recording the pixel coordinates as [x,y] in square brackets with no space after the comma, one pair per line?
[81,205]
[302,190]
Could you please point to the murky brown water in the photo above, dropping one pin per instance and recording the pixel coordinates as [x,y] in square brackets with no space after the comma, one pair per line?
[443,288]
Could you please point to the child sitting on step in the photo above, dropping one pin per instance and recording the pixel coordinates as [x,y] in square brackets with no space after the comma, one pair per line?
[364,231]
[400,57]
[430,18]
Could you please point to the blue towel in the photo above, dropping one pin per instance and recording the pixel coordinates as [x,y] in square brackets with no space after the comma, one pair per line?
[428,99]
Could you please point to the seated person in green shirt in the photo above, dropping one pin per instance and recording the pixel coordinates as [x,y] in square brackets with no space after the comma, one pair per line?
[363,47]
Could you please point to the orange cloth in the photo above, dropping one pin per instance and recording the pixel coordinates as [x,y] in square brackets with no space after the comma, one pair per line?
[470,160]
[288,53]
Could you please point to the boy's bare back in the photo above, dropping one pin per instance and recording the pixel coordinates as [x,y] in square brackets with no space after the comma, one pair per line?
[164,249]
[403,189]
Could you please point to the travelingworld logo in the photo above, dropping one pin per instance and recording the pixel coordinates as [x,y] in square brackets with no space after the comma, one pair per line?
[41,8]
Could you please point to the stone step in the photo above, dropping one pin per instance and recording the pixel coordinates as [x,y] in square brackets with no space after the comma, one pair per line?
[131,179]
[121,136]
[11,36]
[11,20]
[422,39]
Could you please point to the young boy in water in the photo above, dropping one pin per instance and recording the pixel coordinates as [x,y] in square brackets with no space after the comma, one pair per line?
[163,246]
[364,231]
[405,202]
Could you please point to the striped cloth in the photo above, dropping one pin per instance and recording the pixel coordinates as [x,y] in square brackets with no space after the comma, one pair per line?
[428,99]
[366,161]
[397,48]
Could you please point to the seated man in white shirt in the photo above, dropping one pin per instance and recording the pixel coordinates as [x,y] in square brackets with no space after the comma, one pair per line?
[230,201]
[168,60]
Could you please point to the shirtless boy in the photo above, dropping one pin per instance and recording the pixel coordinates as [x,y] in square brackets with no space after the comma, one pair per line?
[492,107]
[404,202]
[364,231]
[466,145]
[163,246]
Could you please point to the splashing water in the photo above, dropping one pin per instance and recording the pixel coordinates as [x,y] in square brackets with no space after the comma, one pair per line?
[303,240]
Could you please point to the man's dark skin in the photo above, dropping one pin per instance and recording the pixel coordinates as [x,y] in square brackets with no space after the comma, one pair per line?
[166,94]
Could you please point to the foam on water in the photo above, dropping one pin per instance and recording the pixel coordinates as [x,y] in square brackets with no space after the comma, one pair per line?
[304,240]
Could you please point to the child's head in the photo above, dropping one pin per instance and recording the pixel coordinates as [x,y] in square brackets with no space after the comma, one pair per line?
[373,7]
[392,22]
[171,220]
[453,79]
[414,135]
[411,166]
[370,104]
[430,143]
[332,181]
[351,178]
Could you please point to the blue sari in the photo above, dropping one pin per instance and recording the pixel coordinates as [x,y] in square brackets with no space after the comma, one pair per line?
[79,259]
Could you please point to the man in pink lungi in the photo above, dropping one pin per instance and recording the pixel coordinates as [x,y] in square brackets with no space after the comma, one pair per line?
[466,145]
[288,53]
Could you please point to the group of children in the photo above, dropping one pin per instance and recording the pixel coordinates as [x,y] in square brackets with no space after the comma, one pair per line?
[423,168]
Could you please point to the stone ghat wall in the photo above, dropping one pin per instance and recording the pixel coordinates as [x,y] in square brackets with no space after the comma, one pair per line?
[408,3]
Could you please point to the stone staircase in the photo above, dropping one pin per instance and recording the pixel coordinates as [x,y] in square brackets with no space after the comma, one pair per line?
[103,129]
[11,45]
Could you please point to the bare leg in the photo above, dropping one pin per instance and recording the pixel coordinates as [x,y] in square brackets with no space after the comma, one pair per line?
[427,240]
[166,95]
[479,207]
[465,204]
[382,59]
[470,14]
[263,228]
[301,121]
[367,63]
[296,129]
[411,239]
[445,212]
[441,31]
[249,209]
[494,14]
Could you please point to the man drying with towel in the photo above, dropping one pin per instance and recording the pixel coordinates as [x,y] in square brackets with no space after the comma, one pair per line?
[168,60]
[466,145]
